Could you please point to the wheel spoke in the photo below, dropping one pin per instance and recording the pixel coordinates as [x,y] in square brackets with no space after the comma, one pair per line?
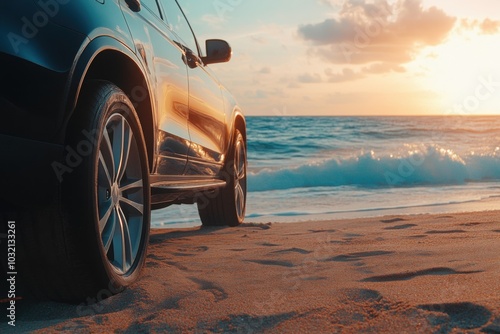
[240,162]
[134,185]
[105,169]
[127,245]
[107,148]
[237,160]
[103,222]
[122,243]
[118,241]
[125,158]
[241,171]
[239,199]
[107,243]
[122,142]
[137,206]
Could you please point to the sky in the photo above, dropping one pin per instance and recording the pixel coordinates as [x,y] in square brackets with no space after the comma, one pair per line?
[356,57]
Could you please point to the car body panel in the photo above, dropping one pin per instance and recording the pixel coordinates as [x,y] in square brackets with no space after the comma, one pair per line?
[167,71]
[207,123]
[32,65]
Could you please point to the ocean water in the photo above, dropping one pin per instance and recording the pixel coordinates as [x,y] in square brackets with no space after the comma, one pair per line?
[304,168]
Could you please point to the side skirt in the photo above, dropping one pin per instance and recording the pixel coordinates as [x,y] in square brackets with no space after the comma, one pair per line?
[168,190]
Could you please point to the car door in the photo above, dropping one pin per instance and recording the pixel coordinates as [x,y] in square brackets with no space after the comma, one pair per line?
[206,118]
[165,64]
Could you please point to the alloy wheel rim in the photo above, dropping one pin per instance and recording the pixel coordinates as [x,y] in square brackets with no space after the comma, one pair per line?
[240,178]
[120,194]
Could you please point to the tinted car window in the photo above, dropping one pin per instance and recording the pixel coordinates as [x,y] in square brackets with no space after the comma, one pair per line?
[178,24]
[152,5]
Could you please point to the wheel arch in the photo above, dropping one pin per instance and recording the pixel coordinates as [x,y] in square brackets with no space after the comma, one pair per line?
[239,123]
[107,59]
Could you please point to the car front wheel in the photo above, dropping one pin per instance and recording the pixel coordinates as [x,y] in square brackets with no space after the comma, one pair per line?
[92,242]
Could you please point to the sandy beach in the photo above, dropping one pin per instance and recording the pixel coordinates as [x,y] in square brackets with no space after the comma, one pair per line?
[395,274]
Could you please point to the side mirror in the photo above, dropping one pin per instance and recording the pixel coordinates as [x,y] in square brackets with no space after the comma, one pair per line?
[218,51]
[134,5]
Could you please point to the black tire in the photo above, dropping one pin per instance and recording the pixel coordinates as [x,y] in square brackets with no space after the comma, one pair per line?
[226,207]
[91,243]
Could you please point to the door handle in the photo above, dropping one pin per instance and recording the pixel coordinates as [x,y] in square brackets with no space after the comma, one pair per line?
[193,60]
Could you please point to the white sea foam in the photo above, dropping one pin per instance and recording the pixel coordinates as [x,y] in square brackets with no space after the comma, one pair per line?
[429,166]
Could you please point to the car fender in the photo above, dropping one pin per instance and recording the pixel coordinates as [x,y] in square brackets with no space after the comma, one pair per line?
[83,61]
[234,114]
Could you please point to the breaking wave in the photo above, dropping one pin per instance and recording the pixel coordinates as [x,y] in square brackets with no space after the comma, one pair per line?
[429,165]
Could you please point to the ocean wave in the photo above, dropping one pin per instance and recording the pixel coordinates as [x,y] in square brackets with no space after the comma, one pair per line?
[429,165]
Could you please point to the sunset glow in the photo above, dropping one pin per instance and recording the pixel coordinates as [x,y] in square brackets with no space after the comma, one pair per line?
[457,71]
[368,57]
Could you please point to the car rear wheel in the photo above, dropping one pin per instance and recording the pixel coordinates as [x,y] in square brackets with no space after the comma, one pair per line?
[227,205]
[94,243]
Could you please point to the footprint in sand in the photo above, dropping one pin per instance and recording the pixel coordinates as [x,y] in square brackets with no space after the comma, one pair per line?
[445,231]
[400,227]
[190,251]
[322,231]
[218,292]
[292,250]
[272,263]
[245,323]
[363,295]
[438,271]
[460,315]
[394,220]
[353,235]
[177,265]
[352,257]
[267,244]
[155,257]
[417,236]
[152,261]
[152,264]
[470,224]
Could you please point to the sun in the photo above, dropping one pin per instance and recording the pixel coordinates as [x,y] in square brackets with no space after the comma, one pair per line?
[464,73]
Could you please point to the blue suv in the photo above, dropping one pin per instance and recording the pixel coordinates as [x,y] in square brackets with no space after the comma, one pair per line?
[109,110]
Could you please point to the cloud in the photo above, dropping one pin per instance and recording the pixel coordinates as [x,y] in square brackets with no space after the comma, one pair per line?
[265,94]
[259,39]
[485,27]
[310,78]
[377,31]
[490,27]
[379,68]
[213,21]
[331,3]
[258,94]
[265,70]
[347,74]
